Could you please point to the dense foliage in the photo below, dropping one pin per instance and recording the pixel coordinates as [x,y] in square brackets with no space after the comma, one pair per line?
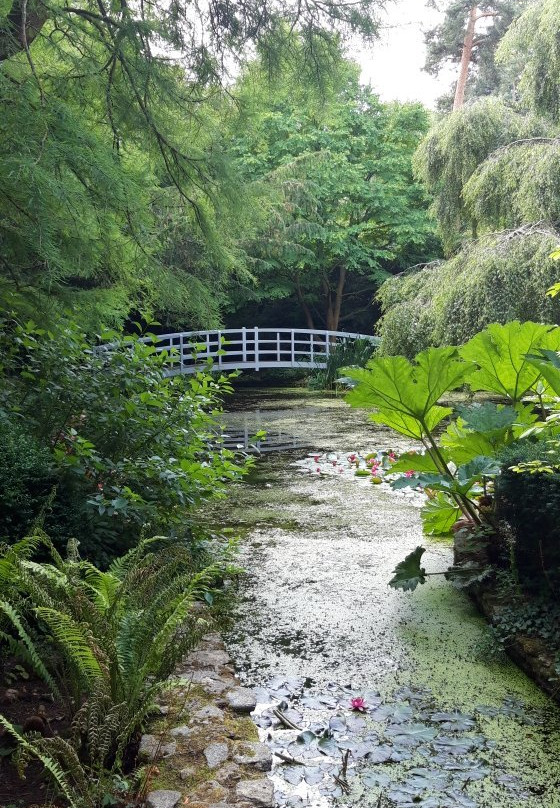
[105,643]
[101,444]
[473,451]
[341,210]
[492,167]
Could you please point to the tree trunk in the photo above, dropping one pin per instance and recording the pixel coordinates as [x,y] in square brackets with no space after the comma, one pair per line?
[465,59]
[305,308]
[334,306]
[24,22]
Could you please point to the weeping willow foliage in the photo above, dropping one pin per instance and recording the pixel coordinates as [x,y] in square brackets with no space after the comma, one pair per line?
[536,35]
[496,279]
[454,149]
[516,185]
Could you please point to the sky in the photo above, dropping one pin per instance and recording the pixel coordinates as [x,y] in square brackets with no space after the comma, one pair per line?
[393,65]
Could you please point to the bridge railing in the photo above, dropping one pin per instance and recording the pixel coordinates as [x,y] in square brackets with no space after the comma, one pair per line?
[251,348]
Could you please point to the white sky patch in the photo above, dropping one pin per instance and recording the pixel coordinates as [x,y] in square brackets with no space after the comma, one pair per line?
[393,65]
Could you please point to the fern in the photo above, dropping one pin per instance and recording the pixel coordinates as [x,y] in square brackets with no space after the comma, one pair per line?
[50,763]
[75,640]
[26,647]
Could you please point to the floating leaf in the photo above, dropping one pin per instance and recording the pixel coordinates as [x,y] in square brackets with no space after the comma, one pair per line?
[306,737]
[374,779]
[411,734]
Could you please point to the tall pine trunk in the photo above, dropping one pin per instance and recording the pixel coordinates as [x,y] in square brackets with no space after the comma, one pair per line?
[465,59]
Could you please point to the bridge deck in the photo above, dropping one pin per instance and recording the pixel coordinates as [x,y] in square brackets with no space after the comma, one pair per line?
[252,348]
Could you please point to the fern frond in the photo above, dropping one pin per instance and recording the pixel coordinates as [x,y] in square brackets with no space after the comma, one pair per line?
[28,647]
[76,640]
[50,763]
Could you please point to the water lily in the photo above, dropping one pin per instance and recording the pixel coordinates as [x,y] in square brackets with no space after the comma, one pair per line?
[358,704]
[409,473]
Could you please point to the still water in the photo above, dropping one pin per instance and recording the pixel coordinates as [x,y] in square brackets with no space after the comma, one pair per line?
[449,721]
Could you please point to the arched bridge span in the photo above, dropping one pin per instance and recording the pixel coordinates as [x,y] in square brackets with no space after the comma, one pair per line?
[252,348]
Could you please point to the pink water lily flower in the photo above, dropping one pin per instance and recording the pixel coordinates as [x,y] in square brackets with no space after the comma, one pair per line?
[409,473]
[358,704]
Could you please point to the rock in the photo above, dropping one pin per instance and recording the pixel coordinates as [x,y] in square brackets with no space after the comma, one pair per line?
[256,792]
[212,642]
[256,755]
[163,799]
[228,774]
[210,791]
[216,754]
[206,714]
[241,700]
[151,748]
[181,732]
[187,771]
[10,695]
[211,681]
[208,659]
[163,709]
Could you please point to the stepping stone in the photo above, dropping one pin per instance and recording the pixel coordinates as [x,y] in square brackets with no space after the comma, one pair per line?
[256,792]
[182,732]
[216,754]
[228,774]
[151,748]
[241,700]
[206,714]
[163,799]
[256,755]
[208,659]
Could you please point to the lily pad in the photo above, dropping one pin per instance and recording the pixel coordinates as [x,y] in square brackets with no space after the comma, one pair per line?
[374,779]
[410,734]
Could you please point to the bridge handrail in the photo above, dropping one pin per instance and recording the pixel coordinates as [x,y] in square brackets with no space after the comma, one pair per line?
[291,348]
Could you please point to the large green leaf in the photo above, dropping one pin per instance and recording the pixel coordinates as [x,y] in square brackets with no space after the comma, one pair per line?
[408,573]
[487,417]
[485,430]
[414,461]
[405,394]
[500,354]
[547,362]
[439,515]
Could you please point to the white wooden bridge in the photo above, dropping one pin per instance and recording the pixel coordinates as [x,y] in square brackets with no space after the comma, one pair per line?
[251,348]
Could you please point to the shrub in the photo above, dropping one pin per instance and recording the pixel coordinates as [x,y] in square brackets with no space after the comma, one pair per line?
[132,448]
[496,279]
[26,479]
[350,353]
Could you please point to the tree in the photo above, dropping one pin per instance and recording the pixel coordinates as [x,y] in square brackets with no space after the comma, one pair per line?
[494,170]
[342,208]
[110,145]
[468,36]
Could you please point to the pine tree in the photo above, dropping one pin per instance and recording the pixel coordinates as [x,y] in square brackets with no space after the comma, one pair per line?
[468,37]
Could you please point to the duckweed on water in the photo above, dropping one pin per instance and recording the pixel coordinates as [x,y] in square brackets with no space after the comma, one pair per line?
[448,725]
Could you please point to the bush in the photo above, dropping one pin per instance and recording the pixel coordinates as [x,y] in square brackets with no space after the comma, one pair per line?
[530,504]
[497,279]
[131,448]
[27,479]
[350,353]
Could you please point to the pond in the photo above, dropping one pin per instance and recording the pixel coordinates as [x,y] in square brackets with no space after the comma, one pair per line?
[448,721]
